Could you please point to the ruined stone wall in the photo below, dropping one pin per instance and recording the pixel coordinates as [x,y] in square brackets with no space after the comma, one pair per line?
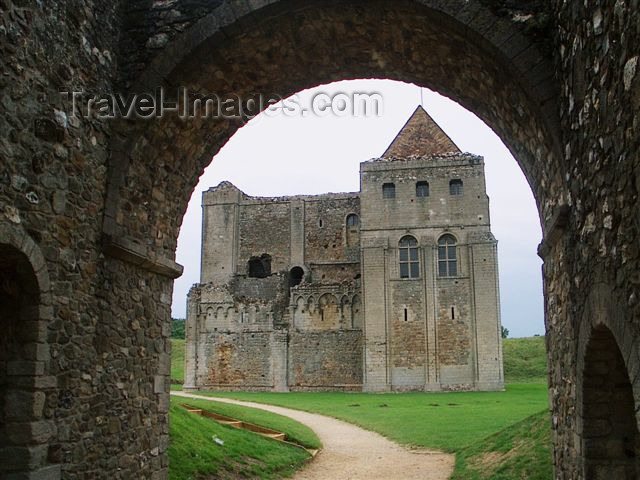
[325,229]
[265,228]
[239,359]
[325,360]
[107,322]
[334,272]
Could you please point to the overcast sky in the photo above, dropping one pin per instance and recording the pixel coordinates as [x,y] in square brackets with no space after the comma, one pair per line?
[284,155]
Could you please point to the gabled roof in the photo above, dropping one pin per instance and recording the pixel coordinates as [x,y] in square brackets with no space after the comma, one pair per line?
[420,136]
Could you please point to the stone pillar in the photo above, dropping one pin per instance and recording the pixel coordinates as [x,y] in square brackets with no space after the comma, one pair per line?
[486,309]
[374,276]
[191,336]
[297,232]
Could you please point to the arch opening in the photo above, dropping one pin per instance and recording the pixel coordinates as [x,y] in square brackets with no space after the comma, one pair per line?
[296,274]
[259,267]
[25,434]
[610,438]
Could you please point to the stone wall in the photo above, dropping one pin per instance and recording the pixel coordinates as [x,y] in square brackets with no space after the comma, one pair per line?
[325,360]
[591,255]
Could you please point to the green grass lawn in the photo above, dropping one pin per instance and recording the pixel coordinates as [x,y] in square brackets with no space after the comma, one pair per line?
[193,454]
[525,360]
[177,359]
[447,421]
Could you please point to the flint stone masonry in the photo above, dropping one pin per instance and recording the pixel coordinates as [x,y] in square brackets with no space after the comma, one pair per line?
[324,318]
[91,208]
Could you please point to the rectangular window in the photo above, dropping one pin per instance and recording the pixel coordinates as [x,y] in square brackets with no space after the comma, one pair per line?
[422,189]
[455,187]
[388,190]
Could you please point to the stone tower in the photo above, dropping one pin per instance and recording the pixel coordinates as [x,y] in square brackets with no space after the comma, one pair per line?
[429,266]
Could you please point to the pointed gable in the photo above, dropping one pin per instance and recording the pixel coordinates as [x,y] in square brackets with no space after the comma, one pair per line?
[420,136]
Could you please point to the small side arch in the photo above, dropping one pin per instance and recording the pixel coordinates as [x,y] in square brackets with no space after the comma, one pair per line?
[25,312]
[607,377]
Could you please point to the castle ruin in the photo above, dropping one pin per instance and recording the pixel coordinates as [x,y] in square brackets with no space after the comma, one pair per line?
[393,288]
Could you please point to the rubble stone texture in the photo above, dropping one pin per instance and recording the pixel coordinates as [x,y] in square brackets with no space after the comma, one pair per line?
[90,209]
[363,313]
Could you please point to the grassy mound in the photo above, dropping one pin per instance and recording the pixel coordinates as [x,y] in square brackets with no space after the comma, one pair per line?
[193,453]
[525,360]
[177,360]
[521,451]
[296,432]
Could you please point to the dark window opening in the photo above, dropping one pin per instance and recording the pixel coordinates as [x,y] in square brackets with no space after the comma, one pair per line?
[295,276]
[422,189]
[320,223]
[453,313]
[455,187]
[408,257]
[447,256]
[406,315]
[388,190]
[352,220]
[260,267]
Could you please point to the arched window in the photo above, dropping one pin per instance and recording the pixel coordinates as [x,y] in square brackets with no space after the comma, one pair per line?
[352,220]
[409,260]
[455,187]
[422,189]
[447,256]
[296,274]
[389,190]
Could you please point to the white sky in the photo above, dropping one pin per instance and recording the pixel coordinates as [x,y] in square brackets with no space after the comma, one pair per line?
[285,155]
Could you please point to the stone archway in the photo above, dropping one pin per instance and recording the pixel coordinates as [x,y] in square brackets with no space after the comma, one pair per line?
[464,49]
[610,438]
[28,429]
[607,366]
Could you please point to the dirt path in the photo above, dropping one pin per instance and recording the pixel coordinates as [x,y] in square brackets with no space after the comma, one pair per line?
[351,453]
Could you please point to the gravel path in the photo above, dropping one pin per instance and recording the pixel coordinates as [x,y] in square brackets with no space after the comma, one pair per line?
[351,453]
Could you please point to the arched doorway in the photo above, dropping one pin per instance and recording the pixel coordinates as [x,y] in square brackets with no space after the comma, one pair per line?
[287,46]
[27,426]
[610,439]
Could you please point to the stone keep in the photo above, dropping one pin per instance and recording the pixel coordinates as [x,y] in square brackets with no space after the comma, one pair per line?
[392,288]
